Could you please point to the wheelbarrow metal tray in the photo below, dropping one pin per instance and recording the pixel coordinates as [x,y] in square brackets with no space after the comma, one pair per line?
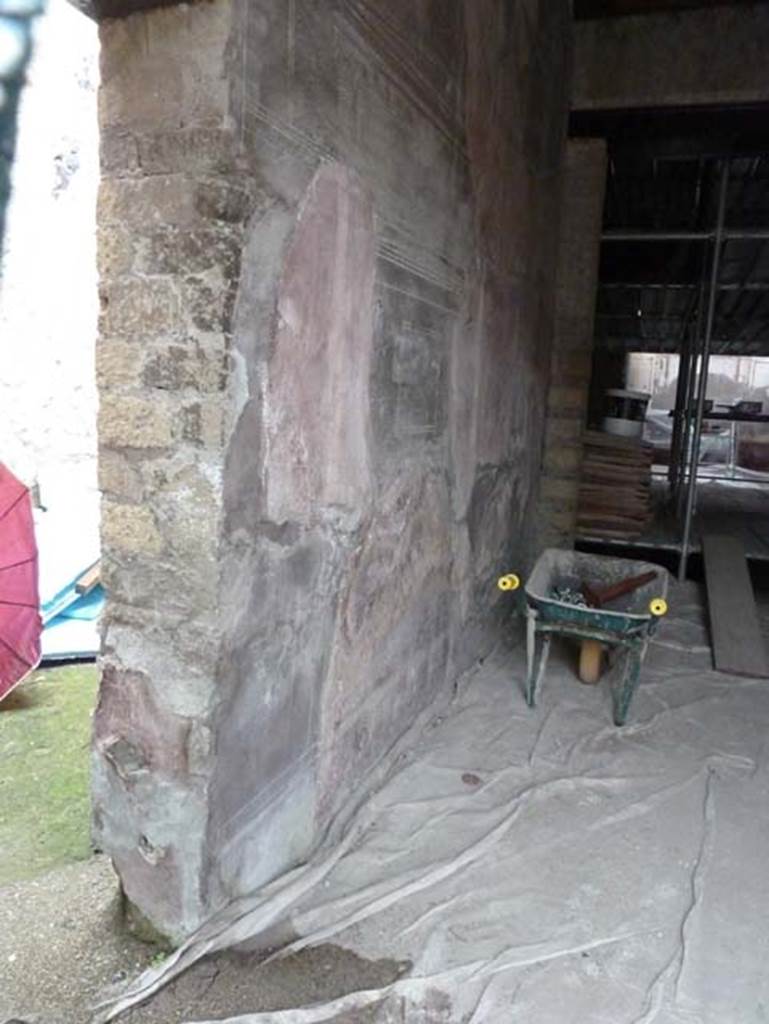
[628,614]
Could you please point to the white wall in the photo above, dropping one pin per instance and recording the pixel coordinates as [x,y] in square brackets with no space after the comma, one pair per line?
[48,293]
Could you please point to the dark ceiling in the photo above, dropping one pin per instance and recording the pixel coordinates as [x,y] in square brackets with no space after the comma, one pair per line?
[99,9]
[663,177]
[619,8]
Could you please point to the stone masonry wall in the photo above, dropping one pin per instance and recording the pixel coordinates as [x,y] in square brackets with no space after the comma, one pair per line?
[170,213]
[711,56]
[327,241]
[582,197]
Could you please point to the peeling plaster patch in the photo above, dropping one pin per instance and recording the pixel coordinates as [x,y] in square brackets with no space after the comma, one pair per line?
[316,405]
[135,735]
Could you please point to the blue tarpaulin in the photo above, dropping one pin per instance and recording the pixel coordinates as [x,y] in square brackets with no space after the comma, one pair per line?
[73,630]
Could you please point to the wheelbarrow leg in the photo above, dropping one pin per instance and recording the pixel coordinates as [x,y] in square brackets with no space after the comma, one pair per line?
[537,651]
[623,694]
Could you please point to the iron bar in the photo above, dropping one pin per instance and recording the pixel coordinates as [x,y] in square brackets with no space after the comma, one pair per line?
[693,358]
[679,445]
[703,381]
[734,286]
[728,234]
[679,411]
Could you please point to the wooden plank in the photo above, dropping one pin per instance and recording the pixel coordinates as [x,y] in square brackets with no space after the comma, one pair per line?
[614,492]
[89,579]
[738,647]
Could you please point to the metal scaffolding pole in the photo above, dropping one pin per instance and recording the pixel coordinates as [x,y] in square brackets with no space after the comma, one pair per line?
[726,234]
[703,382]
[728,286]
[679,412]
[694,355]
[681,415]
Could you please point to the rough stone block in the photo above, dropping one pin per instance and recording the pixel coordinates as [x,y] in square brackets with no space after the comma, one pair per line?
[165,68]
[188,150]
[116,251]
[190,524]
[129,528]
[564,429]
[565,399]
[139,307]
[142,203]
[118,365]
[130,422]
[185,666]
[218,200]
[171,250]
[207,302]
[119,152]
[181,590]
[118,478]
[562,461]
[190,366]
[203,423]
[556,490]
[563,516]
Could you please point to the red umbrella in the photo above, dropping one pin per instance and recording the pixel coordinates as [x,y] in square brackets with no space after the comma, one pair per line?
[20,624]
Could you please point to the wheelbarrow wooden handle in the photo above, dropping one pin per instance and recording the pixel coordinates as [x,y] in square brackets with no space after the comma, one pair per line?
[598,598]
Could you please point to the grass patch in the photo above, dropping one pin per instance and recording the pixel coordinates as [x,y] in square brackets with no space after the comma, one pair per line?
[45,734]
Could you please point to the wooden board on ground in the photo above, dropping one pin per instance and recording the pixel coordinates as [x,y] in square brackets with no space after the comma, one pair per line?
[738,647]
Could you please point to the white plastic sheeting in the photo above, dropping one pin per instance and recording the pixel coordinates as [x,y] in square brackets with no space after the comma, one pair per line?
[546,866]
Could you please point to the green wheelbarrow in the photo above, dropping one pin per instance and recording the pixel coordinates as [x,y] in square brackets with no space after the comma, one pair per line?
[625,627]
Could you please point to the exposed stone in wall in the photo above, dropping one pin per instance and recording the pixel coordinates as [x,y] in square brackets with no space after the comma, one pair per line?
[712,56]
[171,207]
[579,248]
[308,496]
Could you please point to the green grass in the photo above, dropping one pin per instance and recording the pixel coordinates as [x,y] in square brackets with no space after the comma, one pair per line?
[45,729]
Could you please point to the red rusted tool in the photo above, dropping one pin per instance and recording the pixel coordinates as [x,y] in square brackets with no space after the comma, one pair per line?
[598,598]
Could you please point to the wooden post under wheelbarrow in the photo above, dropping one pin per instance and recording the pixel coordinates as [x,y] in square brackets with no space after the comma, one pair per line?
[592,651]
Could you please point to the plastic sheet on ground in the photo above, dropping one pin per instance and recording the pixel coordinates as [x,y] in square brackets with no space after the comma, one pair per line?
[543,865]
[68,539]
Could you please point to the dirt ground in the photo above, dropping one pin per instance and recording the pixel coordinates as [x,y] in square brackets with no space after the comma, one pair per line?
[62,942]
[65,945]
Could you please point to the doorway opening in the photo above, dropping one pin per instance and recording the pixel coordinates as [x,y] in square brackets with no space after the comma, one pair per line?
[48,323]
[684,282]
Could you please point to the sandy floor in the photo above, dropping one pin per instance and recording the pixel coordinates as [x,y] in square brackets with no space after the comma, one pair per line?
[528,866]
[62,943]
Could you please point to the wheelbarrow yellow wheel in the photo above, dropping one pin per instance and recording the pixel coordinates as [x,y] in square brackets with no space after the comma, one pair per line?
[590,661]
[508,582]
[658,607]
